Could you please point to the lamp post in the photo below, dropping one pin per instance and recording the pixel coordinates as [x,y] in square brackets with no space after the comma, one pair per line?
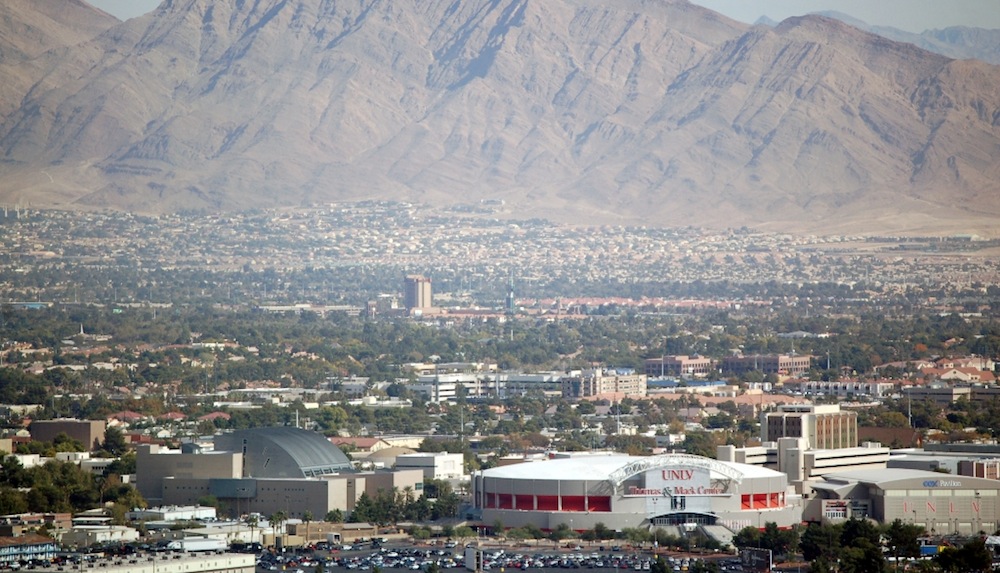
[977,524]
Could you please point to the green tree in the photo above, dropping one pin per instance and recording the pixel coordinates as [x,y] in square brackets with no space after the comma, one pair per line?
[463,532]
[560,532]
[114,442]
[820,542]
[364,510]
[699,444]
[252,520]
[704,566]
[124,465]
[748,537]
[902,539]
[972,557]
[307,517]
[277,521]
[861,550]
[12,501]
[209,501]
[781,542]
[601,531]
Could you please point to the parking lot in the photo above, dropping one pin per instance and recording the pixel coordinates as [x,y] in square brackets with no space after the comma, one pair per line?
[452,556]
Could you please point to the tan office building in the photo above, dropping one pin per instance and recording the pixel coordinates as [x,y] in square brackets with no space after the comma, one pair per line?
[823,427]
[417,292]
[88,432]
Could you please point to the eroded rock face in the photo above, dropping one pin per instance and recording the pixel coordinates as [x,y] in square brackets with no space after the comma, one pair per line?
[634,111]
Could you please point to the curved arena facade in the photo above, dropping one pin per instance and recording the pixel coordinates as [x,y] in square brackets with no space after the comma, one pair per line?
[622,491]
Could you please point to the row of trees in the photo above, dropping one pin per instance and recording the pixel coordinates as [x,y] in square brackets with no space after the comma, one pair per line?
[437,501]
[860,546]
[63,487]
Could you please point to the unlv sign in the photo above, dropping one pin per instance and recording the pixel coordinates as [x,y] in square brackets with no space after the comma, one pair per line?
[670,482]
[677,475]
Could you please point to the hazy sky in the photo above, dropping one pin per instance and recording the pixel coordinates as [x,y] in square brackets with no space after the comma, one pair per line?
[911,15]
[125,9]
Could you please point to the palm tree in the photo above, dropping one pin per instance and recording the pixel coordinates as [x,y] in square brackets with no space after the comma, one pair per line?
[252,522]
[277,519]
[307,516]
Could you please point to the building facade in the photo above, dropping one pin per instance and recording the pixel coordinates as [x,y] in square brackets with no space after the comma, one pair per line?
[823,427]
[434,465]
[417,292]
[804,465]
[679,366]
[604,381]
[938,502]
[263,470]
[27,547]
[767,364]
[938,394]
[90,433]
[848,389]
[634,491]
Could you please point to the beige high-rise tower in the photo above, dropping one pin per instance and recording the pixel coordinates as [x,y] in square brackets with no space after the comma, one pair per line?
[417,292]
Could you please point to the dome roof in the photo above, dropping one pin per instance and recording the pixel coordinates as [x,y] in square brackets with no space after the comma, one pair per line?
[283,452]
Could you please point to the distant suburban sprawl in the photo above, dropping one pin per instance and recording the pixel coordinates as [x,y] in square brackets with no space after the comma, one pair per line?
[299,379]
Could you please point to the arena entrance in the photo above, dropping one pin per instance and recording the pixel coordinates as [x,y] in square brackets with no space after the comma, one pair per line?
[684,518]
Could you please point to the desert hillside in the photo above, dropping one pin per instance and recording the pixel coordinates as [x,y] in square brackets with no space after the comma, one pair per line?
[654,112]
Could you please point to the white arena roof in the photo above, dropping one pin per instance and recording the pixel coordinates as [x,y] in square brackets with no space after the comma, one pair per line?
[586,467]
[597,467]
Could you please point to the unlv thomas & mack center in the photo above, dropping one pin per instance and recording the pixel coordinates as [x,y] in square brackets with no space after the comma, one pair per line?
[622,491]
[628,491]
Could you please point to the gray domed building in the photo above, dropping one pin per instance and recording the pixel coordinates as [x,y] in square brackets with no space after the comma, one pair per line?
[284,452]
[262,470]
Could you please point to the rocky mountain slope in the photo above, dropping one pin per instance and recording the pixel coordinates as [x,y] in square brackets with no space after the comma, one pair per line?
[28,28]
[652,112]
[958,42]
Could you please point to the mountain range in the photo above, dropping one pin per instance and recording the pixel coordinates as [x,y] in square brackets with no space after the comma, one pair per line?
[649,112]
[959,42]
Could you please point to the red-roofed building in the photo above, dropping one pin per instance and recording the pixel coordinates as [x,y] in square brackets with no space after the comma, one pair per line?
[211,417]
[126,416]
[135,438]
[957,374]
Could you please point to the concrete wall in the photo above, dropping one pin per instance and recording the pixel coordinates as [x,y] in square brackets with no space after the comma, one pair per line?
[88,432]
[152,467]
[183,563]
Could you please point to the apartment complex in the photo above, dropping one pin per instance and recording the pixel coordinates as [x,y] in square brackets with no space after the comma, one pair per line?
[604,381]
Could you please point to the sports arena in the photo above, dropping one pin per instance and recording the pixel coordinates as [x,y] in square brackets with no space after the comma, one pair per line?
[622,491]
